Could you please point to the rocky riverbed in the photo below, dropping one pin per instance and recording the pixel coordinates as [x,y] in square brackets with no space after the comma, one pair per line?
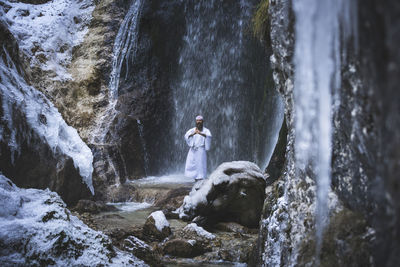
[135,226]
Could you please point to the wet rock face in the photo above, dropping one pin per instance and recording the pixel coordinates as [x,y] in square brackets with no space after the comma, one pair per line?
[144,92]
[141,250]
[234,192]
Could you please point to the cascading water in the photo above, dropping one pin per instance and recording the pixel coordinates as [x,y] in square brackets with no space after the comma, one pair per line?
[223,76]
[124,51]
[317,77]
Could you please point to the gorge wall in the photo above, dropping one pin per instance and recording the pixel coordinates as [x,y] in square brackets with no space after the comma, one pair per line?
[361,221]
[132,100]
[341,158]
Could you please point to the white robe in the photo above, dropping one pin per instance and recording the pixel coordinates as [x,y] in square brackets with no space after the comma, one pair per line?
[196,161]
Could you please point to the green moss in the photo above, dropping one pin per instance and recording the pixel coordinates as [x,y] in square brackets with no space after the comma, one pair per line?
[260,21]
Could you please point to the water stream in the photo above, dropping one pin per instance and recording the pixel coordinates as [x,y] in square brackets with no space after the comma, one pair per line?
[124,49]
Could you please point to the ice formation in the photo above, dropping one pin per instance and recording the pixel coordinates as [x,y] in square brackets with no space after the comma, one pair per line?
[43,118]
[37,229]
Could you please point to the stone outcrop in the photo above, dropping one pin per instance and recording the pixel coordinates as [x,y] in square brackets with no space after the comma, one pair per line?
[26,155]
[38,229]
[183,248]
[234,192]
[156,226]
[364,159]
[141,250]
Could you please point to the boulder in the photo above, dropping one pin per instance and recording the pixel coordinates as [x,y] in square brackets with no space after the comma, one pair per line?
[38,230]
[183,248]
[141,250]
[193,231]
[156,226]
[234,192]
[173,199]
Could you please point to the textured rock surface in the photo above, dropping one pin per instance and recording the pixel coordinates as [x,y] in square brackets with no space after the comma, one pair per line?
[141,250]
[30,147]
[37,229]
[364,161]
[183,248]
[233,192]
[156,226]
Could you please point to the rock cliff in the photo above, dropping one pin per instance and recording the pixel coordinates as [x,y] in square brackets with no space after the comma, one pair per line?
[363,224]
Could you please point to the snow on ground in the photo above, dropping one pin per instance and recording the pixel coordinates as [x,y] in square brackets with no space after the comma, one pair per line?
[160,220]
[48,32]
[36,229]
[130,206]
[43,118]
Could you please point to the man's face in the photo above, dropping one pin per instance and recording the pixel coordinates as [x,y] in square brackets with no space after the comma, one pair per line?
[199,124]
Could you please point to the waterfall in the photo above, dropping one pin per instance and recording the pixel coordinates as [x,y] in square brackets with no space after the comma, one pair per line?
[317,59]
[124,50]
[222,75]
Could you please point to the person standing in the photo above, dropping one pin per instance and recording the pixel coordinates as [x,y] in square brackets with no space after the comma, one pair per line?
[199,141]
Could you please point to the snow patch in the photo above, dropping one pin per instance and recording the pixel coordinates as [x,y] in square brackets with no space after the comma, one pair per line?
[48,32]
[199,231]
[39,230]
[160,220]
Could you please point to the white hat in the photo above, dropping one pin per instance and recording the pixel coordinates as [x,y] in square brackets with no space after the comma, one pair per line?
[199,117]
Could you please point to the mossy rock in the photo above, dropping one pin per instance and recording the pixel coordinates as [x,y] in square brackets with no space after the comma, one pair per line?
[345,243]
[260,21]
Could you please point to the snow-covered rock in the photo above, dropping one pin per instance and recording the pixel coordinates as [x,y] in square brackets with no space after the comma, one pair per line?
[141,250]
[198,231]
[157,226]
[234,192]
[38,148]
[47,32]
[37,229]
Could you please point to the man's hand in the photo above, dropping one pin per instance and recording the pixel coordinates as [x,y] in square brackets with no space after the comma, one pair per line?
[199,132]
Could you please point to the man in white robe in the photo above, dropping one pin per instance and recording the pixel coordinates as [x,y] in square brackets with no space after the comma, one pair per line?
[199,141]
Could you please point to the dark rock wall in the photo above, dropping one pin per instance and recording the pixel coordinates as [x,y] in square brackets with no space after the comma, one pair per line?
[145,92]
[365,157]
